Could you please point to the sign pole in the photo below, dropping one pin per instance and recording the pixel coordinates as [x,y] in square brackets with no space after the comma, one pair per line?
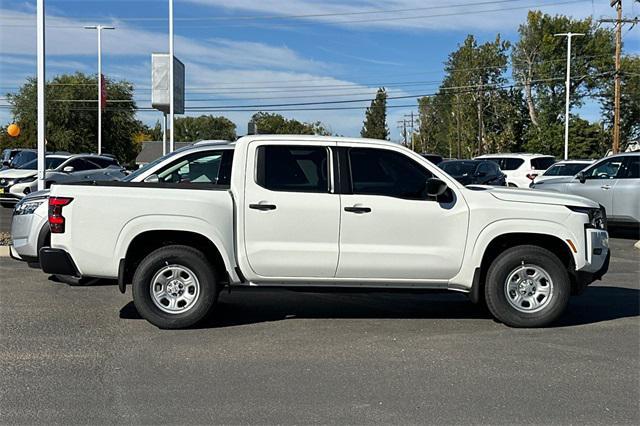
[41,93]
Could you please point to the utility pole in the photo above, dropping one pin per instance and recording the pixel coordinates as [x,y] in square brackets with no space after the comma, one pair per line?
[616,91]
[569,35]
[402,125]
[99,28]
[409,118]
[42,127]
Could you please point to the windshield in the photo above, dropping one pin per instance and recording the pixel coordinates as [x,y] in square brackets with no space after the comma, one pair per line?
[565,169]
[148,166]
[21,158]
[458,168]
[50,163]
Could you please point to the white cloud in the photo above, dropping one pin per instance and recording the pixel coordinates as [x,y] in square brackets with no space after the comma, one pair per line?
[422,14]
[66,37]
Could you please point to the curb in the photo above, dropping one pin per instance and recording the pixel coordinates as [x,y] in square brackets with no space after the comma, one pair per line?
[4,251]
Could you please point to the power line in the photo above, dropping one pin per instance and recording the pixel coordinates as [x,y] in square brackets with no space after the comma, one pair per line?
[337,22]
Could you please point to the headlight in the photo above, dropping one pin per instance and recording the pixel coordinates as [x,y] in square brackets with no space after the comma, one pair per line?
[26,179]
[26,208]
[597,216]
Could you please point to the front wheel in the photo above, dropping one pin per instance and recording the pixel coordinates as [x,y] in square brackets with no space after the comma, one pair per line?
[527,286]
[174,287]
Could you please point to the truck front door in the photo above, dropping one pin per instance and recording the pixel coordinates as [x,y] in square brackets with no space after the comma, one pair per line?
[389,229]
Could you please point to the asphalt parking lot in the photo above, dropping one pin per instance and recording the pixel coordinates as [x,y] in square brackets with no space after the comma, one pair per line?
[5,219]
[83,355]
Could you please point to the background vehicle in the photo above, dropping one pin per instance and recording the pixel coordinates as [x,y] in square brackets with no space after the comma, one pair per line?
[308,211]
[521,169]
[30,224]
[562,169]
[434,158]
[613,182]
[478,172]
[16,183]
[14,158]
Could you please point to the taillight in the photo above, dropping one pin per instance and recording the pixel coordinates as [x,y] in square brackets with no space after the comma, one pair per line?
[56,220]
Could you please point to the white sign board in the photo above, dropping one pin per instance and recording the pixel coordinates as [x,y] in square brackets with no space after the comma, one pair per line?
[160,83]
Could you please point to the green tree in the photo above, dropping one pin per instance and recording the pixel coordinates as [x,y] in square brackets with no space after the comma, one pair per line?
[539,66]
[204,127]
[276,124]
[629,100]
[71,109]
[375,122]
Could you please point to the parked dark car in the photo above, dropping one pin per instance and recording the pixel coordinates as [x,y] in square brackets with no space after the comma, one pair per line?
[434,158]
[478,172]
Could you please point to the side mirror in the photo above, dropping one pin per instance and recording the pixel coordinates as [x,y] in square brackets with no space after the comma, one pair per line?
[581,177]
[435,187]
[68,169]
[152,179]
[6,162]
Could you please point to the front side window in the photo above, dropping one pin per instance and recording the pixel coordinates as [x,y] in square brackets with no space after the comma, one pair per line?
[199,168]
[607,169]
[293,168]
[385,172]
[485,168]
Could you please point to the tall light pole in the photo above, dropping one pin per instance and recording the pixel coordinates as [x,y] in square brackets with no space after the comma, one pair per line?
[41,96]
[171,86]
[99,28]
[569,35]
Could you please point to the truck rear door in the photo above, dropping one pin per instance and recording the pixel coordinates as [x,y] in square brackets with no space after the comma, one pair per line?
[291,214]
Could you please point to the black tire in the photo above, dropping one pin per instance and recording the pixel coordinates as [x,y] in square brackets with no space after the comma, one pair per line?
[183,256]
[501,269]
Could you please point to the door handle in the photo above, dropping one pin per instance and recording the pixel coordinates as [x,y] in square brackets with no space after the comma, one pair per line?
[357,210]
[606,187]
[262,207]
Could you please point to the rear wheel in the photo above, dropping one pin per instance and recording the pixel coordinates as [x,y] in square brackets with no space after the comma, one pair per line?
[174,287]
[527,286]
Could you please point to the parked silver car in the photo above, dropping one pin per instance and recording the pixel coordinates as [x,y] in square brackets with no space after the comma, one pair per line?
[614,182]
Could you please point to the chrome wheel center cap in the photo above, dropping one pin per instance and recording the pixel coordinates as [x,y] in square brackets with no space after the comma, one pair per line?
[527,288]
[174,287]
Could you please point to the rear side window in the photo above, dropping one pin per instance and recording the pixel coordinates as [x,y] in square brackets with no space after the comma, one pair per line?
[385,172]
[630,168]
[506,163]
[79,164]
[542,163]
[104,162]
[293,168]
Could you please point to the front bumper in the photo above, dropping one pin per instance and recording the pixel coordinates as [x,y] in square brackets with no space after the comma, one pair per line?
[57,261]
[598,257]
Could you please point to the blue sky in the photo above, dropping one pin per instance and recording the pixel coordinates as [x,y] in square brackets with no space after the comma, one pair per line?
[251,52]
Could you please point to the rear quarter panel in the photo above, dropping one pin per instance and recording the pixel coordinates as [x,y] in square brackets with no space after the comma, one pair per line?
[101,221]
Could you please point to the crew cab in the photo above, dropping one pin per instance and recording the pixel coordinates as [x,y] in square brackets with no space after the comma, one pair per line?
[316,212]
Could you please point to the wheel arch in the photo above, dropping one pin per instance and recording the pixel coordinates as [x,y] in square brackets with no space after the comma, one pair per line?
[148,241]
[505,241]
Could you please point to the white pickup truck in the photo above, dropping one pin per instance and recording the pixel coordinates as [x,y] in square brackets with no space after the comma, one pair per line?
[323,212]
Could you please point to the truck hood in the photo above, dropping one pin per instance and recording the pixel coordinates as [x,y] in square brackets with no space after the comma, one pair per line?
[540,197]
[553,180]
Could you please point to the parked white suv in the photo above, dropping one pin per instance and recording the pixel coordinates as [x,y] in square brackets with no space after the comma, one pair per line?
[521,169]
